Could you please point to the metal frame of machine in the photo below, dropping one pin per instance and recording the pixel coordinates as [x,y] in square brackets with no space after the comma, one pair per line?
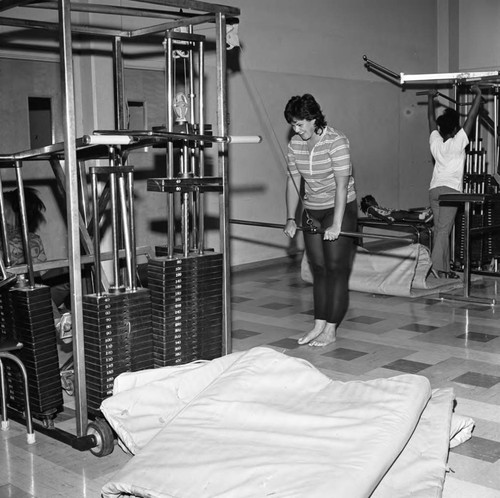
[187,13]
[481,195]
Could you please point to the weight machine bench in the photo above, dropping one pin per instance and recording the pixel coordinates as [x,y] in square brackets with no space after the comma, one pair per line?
[419,231]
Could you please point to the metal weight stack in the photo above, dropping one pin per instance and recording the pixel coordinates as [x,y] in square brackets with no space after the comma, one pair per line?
[27,315]
[117,335]
[480,249]
[483,247]
[33,320]
[186,281]
[117,322]
[186,296]
[6,320]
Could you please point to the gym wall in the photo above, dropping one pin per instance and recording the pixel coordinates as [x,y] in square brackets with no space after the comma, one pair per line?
[288,47]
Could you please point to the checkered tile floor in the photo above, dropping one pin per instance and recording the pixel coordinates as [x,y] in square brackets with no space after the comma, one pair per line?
[452,343]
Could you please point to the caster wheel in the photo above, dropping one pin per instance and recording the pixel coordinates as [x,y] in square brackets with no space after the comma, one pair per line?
[48,422]
[46,418]
[105,440]
[68,385]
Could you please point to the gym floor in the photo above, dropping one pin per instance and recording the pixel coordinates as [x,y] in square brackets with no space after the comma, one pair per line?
[452,343]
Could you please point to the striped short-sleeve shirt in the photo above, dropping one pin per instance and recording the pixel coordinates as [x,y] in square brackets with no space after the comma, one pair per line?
[330,158]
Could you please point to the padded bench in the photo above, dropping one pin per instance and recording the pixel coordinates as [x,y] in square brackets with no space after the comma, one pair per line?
[420,232]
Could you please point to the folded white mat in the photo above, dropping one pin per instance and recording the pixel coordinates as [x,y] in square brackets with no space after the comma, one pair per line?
[398,271]
[260,424]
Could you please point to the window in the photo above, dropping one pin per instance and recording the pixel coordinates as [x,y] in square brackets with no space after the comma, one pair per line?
[40,121]
[136,115]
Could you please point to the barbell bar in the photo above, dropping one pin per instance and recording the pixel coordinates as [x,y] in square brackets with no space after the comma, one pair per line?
[453,101]
[313,229]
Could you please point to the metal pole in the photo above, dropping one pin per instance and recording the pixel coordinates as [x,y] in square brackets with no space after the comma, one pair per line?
[121,124]
[220,28]
[5,239]
[97,234]
[119,90]
[24,225]
[201,149]
[170,146]
[369,64]
[127,236]
[73,215]
[133,257]
[114,219]
[495,131]
[193,196]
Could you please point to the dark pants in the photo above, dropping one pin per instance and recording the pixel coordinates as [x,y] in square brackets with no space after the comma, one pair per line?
[444,220]
[331,263]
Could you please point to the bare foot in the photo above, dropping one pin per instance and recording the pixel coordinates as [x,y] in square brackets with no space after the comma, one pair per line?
[326,337]
[319,325]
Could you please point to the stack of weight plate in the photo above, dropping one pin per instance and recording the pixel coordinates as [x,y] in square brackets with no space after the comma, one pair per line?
[481,245]
[6,321]
[186,297]
[33,320]
[117,339]
[6,331]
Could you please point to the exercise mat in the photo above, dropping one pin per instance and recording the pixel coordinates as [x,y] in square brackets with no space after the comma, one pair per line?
[399,271]
[259,423]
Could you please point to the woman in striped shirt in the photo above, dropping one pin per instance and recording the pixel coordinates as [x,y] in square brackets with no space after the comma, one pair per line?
[319,156]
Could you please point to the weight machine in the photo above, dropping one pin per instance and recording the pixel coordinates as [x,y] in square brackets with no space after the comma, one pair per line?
[189,284]
[479,205]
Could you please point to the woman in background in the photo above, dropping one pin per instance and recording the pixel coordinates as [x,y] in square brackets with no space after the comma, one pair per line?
[447,141]
[35,217]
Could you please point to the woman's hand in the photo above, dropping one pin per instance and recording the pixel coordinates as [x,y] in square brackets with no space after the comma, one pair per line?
[290,229]
[331,233]
[475,90]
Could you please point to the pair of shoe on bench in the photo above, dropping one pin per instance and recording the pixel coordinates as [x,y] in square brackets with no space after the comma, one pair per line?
[370,207]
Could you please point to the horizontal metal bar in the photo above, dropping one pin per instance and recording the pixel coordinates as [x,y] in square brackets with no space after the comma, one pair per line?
[115,10]
[138,139]
[464,75]
[426,92]
[9,4]
[358,235]
[244,139]
[54,26]
[196,5]
[180,4]
[181,35]
[107,139]
[164,134]
[160,28]
[86,259]
[371,64]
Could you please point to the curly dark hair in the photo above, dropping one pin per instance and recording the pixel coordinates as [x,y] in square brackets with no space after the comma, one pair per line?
[366,202]
[34,206]
[448,122]
[305,107]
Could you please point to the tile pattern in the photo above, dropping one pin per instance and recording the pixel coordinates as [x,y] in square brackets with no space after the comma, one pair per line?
[407,366]
[453,344]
